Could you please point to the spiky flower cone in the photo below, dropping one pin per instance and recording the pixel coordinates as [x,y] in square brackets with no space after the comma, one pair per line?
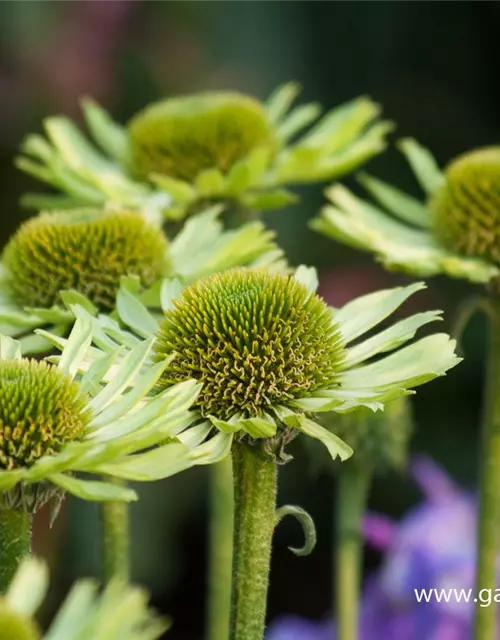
[467,206]
[254,339]
[181,137]
[82,250]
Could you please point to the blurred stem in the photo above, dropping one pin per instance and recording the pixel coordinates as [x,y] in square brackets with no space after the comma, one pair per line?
[352,485]
[115,536]
[15,543]
[485,619]
[221,549]
[255,485]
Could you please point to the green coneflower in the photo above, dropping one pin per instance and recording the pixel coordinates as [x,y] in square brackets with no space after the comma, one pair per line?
[92,253]
[85,251]
[119,612]
[270,355]
[180,137]
[52,425]
[454,232]
[217,146]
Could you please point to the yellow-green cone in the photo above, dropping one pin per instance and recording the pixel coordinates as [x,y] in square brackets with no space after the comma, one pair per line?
[181,137]
[255,339]
[467,207]
[82,250]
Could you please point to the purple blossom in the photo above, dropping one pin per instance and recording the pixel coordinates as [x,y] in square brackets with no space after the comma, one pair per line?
[433,547]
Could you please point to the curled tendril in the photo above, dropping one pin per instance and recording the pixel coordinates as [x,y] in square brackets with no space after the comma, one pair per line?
[308,527]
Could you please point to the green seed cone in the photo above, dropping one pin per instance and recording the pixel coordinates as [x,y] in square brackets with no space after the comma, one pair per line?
[180,137]
[41,410]
[467,208]
[14,626]
[380,440]
[254,339]
[83,250]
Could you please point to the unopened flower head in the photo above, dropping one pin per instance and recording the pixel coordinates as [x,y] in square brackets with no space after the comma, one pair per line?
[255,340]
[467,207]
[16,626]
[181,137]
[41,411]
[83,250]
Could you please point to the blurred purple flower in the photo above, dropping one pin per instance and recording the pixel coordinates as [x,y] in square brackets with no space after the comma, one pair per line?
[433,547]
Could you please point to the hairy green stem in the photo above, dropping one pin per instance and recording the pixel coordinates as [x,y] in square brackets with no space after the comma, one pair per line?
[485,619]
[116,537]
[15,543]
[220,549]
[352,485]
[255,486]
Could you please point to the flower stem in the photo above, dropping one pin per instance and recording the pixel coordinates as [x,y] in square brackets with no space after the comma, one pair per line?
[220,549]
[115,535]
[15,543]
[255,486]
[485,619]
[353,485]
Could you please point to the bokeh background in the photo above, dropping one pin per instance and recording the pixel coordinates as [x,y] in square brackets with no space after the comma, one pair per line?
[434,68]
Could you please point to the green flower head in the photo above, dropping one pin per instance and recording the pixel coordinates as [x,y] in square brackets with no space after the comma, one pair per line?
[180,137]
[15,625]
[118,612]
[41,411]
[454,230]
[89,413]
[82,250]
[270,354]
[217,147]
[255,340]
[466,209]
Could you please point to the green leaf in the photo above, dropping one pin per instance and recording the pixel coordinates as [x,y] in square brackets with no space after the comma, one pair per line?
[268,200]
[362,314]
[423,164]
[93,490]
[336,447]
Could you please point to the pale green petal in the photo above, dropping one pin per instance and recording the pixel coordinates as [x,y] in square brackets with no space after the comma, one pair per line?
[423,164]
[281,99]
[9,349]
[125,375]
[337,448]
[135,315]
[93,490]
[28,587]
[264,427]
[411,366]
[296,120]
[308,276]
[226,426]
[362,314]
[74,614]
[214,450]
[248,172]
[109,135]
[180,190]
[209,183]
[396,201]
[389,339]
[10,478]
[76,347]
[196,435]
[170,291]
